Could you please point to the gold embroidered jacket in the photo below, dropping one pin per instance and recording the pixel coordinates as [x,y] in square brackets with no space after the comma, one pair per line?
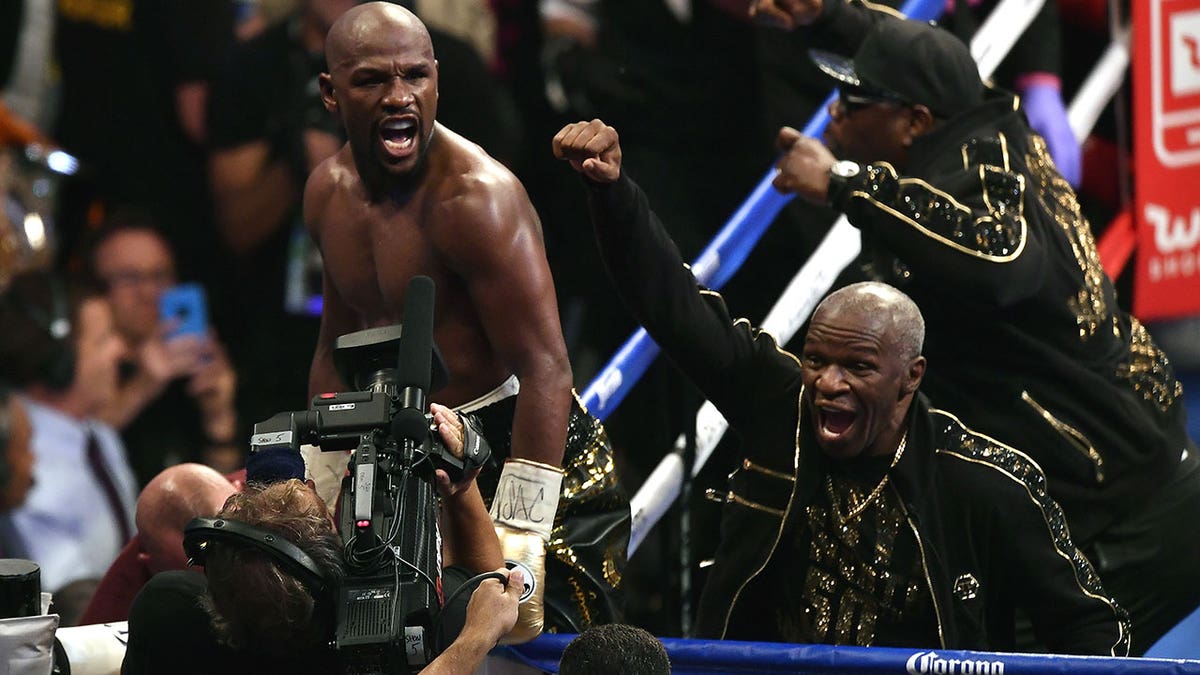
[1023,332]
[990,538]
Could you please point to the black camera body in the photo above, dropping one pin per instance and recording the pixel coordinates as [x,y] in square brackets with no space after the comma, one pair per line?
[388,602]
[338,421]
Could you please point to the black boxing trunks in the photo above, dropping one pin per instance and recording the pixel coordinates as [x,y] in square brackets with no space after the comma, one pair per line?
[585,556]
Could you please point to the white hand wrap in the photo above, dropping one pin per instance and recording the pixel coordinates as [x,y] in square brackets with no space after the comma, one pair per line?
[527,497]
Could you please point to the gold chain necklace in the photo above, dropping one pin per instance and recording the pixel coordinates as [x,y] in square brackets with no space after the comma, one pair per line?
[858,510]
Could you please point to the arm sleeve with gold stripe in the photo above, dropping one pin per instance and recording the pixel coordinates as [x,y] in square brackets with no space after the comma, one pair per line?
[971,230]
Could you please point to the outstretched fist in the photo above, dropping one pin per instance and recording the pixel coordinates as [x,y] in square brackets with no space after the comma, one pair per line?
[803,166]
[591,148]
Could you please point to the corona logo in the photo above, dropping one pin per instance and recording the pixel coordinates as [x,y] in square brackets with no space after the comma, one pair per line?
[923,663]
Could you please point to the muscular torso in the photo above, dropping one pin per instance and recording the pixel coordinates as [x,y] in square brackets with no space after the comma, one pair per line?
[372,249]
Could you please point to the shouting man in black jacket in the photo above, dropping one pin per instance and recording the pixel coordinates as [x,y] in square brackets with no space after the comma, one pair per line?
[966,213]
[860,515]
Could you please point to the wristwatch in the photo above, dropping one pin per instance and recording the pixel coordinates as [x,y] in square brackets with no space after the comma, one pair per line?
[840,175]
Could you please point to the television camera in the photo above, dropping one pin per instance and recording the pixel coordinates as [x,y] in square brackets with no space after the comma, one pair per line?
[387,604]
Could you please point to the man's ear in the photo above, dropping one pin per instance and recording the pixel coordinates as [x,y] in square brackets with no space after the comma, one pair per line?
[921,121]
[913,376]
[327,97]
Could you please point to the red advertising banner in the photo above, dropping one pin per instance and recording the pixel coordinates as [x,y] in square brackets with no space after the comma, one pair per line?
[1166,149]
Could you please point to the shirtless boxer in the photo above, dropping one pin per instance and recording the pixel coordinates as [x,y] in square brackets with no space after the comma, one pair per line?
[406,196]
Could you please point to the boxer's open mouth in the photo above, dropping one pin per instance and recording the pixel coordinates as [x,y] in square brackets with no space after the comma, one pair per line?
[399,136]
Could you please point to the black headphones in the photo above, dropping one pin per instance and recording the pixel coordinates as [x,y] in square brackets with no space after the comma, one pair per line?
[200,532]
[58,372]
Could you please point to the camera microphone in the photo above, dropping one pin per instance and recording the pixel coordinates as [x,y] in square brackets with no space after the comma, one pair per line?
[387,602]
[415,362]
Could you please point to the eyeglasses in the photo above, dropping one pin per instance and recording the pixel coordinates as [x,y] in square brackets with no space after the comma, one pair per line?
[133,278]
[853,101]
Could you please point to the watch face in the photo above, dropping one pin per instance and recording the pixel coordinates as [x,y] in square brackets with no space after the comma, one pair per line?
[846,169]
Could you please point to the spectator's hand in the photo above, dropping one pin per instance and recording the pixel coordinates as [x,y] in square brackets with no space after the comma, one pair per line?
[591,148]
[803,168]
[786,14]
[213,386]
[163,360]
[1041,98]
[214,382]
[450,428]
[492,611]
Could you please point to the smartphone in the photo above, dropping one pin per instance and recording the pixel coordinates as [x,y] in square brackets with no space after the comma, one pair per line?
[185,308]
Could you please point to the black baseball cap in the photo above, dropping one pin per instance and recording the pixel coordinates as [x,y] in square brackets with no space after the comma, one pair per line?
[911,62]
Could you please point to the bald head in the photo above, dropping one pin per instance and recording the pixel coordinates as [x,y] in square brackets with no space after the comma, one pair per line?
[175,496]
[896,316]
[861,368]
[366,23]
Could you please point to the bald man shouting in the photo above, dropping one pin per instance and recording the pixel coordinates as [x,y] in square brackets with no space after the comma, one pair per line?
[860,515]
[406,196]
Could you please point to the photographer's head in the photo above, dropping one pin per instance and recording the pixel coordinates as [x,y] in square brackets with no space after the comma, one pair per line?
[253,601]
[58,343]
[615,648]
[168,503]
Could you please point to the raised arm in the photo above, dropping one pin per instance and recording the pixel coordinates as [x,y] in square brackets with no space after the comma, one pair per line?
[833,25]
[725,358]
[490,236]
[968,229]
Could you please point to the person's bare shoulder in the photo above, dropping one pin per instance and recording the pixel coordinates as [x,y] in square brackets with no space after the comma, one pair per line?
[334,174]
[479,194]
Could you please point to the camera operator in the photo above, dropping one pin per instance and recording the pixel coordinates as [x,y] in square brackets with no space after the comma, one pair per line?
[247,615]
